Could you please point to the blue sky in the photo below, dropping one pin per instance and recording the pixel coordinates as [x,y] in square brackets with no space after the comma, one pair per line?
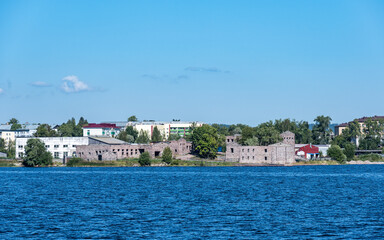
[212,61]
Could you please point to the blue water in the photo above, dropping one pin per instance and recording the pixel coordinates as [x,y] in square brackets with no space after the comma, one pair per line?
[308,202]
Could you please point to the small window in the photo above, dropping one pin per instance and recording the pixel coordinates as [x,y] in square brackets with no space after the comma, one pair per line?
[265,158]
[20,146]
[265,150]
[73,146]
[56,154]
[56,146]
[65,146]
[232,150]
[46,146]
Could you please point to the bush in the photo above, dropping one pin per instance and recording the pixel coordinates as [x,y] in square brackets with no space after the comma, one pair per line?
[145,159]
[74,161]
[167,155]
[349,151]
[370,157]
[336,153]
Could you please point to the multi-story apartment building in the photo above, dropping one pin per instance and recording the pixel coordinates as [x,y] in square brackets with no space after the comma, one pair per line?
[167,128]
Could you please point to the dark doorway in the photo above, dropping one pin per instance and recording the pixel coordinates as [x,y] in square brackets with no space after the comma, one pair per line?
[100,157]
[157,153]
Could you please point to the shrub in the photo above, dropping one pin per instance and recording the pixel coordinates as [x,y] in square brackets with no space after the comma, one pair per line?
[145,159]
[74,161]
[349,151]
[336,153]
[167,155]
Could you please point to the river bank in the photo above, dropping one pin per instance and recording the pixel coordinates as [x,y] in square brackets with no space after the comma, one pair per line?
[186,163]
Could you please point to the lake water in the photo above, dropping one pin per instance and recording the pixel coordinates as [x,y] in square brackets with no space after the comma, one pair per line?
[307,202]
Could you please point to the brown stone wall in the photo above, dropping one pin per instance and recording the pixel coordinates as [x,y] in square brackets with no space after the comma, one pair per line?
[114,152]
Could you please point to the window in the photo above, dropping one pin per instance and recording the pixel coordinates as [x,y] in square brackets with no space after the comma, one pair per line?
[265,150]
[265,158]
[46,146]
[65,154]
[232,150]
[56,154]
[88,132]
[20,146]
[73,146]
[65,146]
[56,146]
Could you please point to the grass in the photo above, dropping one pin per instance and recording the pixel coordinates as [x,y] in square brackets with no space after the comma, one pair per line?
[7,163]
[77,162]
[370,157]
[317,162]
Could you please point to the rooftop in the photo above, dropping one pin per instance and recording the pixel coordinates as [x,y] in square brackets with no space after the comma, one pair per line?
[108,140]
[101,125]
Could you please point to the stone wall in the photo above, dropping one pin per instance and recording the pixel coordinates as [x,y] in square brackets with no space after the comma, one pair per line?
[113,152]
[276,154]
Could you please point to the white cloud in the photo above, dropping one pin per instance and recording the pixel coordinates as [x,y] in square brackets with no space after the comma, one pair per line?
[1,91]
[40,84]
[73,84]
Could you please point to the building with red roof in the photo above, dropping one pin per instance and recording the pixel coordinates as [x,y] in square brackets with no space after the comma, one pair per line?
[308,151]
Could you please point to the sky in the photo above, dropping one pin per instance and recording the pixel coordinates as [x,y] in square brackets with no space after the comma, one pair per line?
[212,61]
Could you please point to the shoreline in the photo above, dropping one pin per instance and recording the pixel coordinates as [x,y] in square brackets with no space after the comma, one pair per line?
[195,163]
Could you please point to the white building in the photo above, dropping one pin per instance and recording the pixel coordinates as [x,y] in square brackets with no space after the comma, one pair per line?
[60,147]
[101,130]
[167,128]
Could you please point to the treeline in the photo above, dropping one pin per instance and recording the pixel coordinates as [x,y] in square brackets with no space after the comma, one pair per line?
[68,129]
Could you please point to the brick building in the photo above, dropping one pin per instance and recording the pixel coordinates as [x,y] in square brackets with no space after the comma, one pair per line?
[282,153]
[109,151]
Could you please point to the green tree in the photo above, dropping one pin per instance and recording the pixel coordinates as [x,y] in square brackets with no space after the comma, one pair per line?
[128,135]
[302,133]
[36,155]
[205,141]
[349,151]
[145,159]
[132,118]
[44,130]
[173,137]
[267,134]
[11,149]
[14,124]
[143,137]
[321,131]
[336,153]
[167,155]
[371,134]
[156,135]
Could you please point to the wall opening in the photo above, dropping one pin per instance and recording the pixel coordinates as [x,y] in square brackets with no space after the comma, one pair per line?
[100,157]
[157,153]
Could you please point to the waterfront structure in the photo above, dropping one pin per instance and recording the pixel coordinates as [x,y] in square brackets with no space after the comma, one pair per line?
[60,147]
[108,151]
[308,151]
[102,129]
[322,150]
[282,153]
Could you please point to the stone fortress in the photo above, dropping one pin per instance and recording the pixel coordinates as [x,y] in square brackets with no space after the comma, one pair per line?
[282,153]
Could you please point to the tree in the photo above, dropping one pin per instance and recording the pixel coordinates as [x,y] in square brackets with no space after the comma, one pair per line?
[145,159]
[321,131]
[44,130]
[302,133]
[167,155]
[71,129]
[336,153]
[205,141]
[371,136]
[128,135]
[132,118]
[143,137]
[173,137]
[36,155]
[156,135]
[267,134]
[14,124]
[349,151]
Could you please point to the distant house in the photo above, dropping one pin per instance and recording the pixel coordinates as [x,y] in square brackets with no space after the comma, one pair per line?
[101,130]
[3,155]
[308,151]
